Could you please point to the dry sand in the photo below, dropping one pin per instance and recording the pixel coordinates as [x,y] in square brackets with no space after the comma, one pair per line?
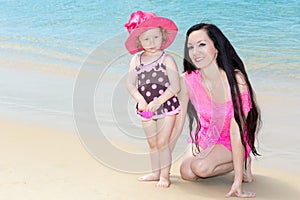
[42,163]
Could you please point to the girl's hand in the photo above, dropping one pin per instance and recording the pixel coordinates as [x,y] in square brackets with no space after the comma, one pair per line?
[142,105]
[153,105]
[237,191]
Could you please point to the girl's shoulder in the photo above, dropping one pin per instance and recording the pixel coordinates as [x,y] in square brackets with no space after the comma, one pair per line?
[135,58]
[135,62]
[167,57]
[169,61]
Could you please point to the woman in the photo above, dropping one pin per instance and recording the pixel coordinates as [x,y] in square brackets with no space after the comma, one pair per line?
[220,103]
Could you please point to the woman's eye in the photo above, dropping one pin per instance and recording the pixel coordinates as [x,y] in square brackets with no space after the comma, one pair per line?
[202,44]
[190,48]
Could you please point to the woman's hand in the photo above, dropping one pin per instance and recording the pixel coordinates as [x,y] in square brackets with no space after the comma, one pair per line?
[237,191]
[153,105]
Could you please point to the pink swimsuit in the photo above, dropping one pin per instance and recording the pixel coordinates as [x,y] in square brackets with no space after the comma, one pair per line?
[214,117]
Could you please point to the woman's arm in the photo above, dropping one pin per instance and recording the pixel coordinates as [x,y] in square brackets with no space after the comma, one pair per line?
[131,86]
[174,87]
[238,151]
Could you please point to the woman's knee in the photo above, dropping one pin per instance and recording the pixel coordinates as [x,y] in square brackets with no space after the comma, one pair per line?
[202,169]
[186,172]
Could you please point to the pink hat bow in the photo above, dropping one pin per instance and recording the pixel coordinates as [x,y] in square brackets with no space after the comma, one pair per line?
[138,18]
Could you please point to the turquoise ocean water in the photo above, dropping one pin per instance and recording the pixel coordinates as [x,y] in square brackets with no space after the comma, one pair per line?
[265,31]
[63,34]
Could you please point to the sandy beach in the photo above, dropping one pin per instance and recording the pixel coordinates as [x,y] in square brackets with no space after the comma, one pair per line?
[48,162]
[68,128]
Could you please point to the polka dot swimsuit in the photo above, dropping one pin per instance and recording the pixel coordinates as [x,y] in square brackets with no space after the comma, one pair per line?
[153,82]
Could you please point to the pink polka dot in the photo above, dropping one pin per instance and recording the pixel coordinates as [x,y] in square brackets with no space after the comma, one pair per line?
[143,76]
[160,91]
[174,100]
[173,108]
[160,79]
[167,85]
[143,88]
[154,86]
[169,103]
[166,110]
[148,94]
[147,81]
[154,74]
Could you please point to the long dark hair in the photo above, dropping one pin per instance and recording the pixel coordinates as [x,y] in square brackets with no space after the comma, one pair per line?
[229,61]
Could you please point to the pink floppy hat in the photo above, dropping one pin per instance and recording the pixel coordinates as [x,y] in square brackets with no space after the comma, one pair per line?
[140,22]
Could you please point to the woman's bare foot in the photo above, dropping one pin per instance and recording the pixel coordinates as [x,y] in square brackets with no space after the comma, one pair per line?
[163,182]
[149,177]
[248,177]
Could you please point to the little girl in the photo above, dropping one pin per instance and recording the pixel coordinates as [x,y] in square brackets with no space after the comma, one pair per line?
[153,81]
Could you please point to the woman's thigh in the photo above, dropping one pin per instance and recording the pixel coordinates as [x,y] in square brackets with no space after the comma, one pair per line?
[217,160]
[210,162]
[216,155]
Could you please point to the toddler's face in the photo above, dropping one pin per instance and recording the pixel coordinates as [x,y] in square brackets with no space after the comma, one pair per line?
[151,40]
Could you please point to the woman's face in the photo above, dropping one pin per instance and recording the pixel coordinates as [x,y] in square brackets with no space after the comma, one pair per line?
[201,49]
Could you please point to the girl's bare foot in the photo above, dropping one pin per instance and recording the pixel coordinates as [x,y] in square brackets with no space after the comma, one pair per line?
[248,177]
[163,182]
[149,177]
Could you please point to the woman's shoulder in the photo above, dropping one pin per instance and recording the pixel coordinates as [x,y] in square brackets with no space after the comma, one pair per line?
[193,74]
[241,80]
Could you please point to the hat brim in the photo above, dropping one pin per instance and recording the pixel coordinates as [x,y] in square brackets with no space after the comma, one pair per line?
[165,23]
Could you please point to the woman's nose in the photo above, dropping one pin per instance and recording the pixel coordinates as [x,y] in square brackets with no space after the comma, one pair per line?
[195,50]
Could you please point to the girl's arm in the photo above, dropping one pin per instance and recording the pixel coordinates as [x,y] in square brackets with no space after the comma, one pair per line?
[131,85]
[173,88]
[181,116]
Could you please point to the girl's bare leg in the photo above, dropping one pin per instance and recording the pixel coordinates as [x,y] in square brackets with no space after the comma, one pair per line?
[176,131]
[164,129]
[151,134]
